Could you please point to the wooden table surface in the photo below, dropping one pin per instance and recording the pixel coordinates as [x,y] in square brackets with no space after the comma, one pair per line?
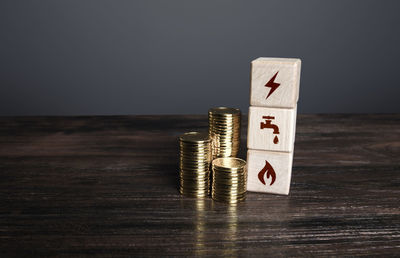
[107,186]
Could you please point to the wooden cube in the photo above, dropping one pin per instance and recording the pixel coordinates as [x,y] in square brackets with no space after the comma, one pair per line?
[275,82]
[269,172]
[271,129]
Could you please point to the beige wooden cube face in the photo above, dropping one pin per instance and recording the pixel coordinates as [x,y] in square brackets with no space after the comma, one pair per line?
[271,129]
[269,172]
[275,82]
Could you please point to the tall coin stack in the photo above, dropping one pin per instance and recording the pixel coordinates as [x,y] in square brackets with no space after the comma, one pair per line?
[194,164]
[229,180]
[224,130]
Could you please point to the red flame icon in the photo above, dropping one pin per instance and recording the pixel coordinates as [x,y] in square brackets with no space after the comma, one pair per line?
[270,173]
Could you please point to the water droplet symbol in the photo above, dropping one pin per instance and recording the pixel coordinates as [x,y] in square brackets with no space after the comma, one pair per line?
[276,140]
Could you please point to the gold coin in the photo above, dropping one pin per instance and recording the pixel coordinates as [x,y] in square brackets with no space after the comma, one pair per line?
[229,180]
[195,153]
[233,163]
[224,111]
[195,137]
[224,130]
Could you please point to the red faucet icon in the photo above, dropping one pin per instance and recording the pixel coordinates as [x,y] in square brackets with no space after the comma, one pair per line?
[270,173]
[268,124]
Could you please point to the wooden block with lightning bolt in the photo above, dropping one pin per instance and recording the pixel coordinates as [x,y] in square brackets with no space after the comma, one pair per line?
[271,129]
[275,82]
[269,172]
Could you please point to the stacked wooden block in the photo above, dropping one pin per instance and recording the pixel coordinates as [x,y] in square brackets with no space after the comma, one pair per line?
[274,92]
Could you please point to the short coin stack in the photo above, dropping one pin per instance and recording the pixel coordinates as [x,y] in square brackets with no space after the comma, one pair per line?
[229,180]
[194,164]
[224,129]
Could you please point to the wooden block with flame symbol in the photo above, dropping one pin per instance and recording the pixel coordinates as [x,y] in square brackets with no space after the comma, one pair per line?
[269,171]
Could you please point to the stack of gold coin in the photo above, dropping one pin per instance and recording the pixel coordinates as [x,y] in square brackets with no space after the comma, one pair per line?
[194,164]
[229,180]
[224,130]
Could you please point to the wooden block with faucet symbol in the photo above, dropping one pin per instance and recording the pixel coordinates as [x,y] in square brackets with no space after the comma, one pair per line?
[269,171]
[271,129]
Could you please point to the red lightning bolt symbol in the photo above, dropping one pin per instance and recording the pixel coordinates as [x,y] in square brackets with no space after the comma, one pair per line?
[271,84]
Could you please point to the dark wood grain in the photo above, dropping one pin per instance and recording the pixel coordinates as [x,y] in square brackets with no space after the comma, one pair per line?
[107,186]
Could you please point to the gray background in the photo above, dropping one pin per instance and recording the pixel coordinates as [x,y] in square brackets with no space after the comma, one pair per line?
[77,57]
